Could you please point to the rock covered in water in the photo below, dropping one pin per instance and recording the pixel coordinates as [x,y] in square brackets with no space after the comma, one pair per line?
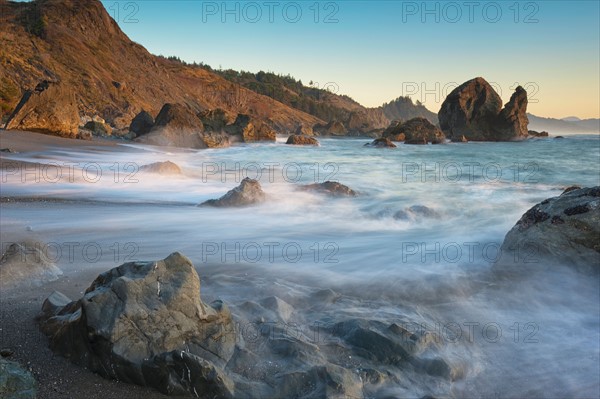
[474,110]
[331,188]
[145,323]
[26,264]
[417,212]
[163,168]
[249,192]
[563,230]
[381,143]
[296,139]
[51,108]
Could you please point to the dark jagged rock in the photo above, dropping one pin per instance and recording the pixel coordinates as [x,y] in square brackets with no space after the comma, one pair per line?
[250,130]
[331,188]
[415,131]
[249,192]
[563,230]
[296,139]
[145,323]
[512,121]
[51,108]
[474,110]
[142,123]
[381,143]
[570,188]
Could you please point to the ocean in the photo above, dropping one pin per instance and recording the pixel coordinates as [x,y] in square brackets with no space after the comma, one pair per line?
[416,244]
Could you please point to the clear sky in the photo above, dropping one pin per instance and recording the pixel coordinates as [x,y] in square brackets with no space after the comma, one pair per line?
[375,51]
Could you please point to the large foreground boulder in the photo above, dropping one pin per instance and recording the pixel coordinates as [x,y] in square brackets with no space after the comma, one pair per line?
[415,131]
[145,323]
[474,111]
[564,230]
[51,109]
[26,264]
[249,192]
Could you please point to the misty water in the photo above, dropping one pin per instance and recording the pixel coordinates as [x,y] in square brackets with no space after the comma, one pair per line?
[528,337]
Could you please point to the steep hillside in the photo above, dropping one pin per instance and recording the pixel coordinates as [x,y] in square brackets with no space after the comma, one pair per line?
[77,43]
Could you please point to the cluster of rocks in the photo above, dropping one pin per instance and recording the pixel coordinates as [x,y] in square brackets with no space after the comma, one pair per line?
[414,131]
[250,192]
[145,323]
[179,126]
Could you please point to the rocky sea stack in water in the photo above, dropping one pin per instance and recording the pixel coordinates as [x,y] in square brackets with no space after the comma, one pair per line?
[473,111]
[249,192]
[564,230]
[145,323]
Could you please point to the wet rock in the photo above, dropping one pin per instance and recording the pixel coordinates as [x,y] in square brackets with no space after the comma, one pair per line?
[563,230]
[15,381]
[330,188]
[381,143]
[163,168]
[26,264]
[180,373]
[320,382]
[296,139]
[145,323]
[249,192]
[142,123]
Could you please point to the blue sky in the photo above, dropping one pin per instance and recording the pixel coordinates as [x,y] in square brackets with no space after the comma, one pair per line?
[377,50]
